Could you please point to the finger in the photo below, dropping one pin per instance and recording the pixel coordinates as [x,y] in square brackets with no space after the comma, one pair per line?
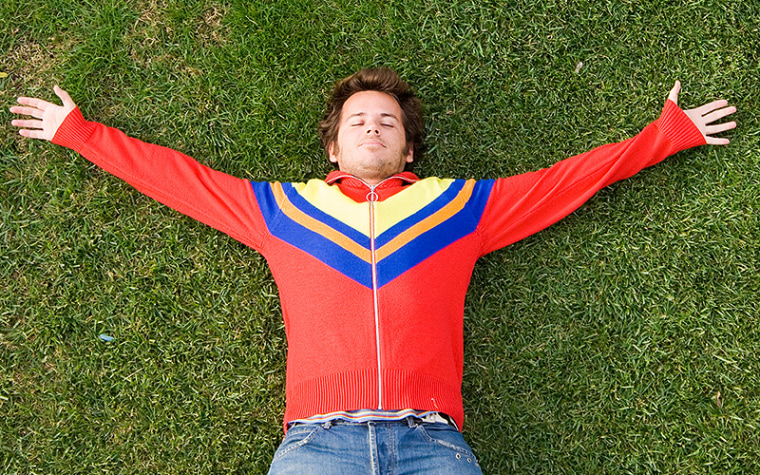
[34,112]
[63,95]
[34,102]
[34,134]
[29,124]
[716,129]
[673,96]
[711,106]
[716,141]
[718,114]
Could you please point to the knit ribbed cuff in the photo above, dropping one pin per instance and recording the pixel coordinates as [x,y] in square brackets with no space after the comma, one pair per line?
[74,131]
[678,128]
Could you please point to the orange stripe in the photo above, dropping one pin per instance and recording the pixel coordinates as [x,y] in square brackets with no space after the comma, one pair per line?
[292,212]
[452,208]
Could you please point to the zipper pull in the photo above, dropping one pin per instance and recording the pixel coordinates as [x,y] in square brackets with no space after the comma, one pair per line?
[372,196]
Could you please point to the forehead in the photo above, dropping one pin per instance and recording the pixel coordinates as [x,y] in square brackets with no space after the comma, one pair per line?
[371,102]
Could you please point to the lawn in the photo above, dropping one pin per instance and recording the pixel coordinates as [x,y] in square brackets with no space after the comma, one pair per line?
[623,339]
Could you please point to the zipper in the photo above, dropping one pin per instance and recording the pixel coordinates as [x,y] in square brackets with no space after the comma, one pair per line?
[371,199]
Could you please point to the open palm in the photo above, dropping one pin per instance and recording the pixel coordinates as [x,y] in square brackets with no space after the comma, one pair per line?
[47,116]
[704,117]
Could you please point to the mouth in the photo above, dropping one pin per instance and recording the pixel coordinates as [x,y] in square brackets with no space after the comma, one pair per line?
[371,142]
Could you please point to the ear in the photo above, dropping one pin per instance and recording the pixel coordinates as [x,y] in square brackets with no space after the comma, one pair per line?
[410,154]
[331,154]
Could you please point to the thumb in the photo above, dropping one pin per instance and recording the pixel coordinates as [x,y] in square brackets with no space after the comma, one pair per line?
[673,96]
[67,102]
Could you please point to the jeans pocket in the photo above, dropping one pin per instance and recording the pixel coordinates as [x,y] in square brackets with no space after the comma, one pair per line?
[297,436]
[446,436]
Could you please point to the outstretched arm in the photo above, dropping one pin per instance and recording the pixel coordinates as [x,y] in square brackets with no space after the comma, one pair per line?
[525,204]
[215,198]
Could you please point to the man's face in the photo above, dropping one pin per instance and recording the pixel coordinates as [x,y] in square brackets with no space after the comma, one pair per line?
[371,142]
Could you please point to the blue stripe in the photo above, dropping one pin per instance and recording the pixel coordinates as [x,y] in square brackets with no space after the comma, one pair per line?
[266,201]
[295,234]
[323,249]
[480,194]
[431,208]
[363,415]
[424,246]
[432,241]
[307,208]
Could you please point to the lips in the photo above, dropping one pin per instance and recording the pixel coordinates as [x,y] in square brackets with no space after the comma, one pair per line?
[372,142]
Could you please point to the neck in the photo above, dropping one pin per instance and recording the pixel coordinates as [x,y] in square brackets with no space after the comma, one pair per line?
[371,180]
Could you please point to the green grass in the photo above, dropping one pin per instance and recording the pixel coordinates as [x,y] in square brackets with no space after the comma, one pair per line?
[622,340]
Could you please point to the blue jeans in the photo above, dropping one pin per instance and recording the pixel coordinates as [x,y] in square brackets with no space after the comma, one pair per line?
[379,448]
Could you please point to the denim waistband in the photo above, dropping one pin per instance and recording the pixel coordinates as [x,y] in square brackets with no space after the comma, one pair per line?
[412,420]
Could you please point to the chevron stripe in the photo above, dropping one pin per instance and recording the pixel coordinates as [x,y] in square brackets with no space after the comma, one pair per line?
[327,204]
[417,222]
[356,245]
[424,225]
[432,194]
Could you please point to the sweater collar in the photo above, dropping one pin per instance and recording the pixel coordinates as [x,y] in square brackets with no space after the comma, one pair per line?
[347,179]
[357,189]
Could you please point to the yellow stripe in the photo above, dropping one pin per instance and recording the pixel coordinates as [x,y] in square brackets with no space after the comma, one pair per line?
[410,200]
[317,226]
[452,208]
[329,200]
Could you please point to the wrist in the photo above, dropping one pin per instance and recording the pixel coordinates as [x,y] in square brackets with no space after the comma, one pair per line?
[678,128]
[74,131]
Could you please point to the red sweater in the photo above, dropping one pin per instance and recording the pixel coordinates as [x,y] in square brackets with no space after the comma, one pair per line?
[373,284]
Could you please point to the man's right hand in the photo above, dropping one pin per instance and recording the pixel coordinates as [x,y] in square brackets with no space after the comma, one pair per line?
[51,115]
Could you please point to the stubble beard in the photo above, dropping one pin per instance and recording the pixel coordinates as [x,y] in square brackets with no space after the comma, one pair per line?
[375,167]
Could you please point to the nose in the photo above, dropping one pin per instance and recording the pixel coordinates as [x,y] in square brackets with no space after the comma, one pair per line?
[372,129]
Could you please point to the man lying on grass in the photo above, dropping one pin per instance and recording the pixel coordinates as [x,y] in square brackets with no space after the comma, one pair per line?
[373,262]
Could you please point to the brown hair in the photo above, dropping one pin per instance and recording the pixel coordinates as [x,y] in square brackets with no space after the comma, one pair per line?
[375,79]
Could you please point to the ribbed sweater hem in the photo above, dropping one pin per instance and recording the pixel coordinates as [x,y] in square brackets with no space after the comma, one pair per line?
[678,128]
[355,390]
[75,131]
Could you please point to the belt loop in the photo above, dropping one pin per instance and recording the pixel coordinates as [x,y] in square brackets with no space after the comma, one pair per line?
[412,421]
